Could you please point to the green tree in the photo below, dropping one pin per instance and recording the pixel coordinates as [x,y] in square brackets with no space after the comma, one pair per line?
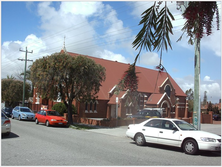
[61,108]
[12,90]
[205,98]
[69,77]
[210,107]
[190,97]
[189,94]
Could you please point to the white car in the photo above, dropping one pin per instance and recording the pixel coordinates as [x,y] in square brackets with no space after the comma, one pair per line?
[6,125]
[173,132]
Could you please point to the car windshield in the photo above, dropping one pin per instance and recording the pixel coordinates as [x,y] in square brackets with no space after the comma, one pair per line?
[25,110]
[53,113]
[183,125]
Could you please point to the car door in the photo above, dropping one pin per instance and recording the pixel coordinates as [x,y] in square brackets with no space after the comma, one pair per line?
[168,135]
[39,116]
[43,116]
[15,112]
[151,131]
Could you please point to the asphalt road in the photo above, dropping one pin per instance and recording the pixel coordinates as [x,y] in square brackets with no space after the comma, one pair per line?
[37,145]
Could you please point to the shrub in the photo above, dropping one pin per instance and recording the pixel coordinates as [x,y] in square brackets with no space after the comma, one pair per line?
[61,108]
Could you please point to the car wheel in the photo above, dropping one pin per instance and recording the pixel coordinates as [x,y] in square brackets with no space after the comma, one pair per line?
[47,123]
[19,118]
[36,121]
[190,147]
[139,139]
[12,116]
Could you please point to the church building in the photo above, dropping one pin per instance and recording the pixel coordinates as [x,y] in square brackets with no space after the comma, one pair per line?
[156,89]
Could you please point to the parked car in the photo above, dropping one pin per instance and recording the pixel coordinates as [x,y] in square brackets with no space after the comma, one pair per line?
[50,117]
[7,111]
[6,125]
[146,113]
[173,132]
[216,117]
[23,113]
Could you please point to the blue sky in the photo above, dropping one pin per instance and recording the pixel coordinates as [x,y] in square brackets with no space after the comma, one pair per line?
[105,30]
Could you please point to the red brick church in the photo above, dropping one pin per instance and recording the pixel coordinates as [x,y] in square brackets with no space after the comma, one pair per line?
[156,89]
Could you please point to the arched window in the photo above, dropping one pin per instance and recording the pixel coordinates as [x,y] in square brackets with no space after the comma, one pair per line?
[168,90]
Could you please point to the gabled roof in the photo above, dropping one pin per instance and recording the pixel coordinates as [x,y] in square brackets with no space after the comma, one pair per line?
[155,98]
[147,77]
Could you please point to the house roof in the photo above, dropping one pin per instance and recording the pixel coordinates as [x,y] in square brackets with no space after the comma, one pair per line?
[147,78]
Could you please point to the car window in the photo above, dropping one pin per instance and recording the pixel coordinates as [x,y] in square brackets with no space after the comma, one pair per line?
[44,113]
[183,125]
[154,124]
[53,113]
[25,110]
[145,113]
[157,113]
[16,108]
[167,125]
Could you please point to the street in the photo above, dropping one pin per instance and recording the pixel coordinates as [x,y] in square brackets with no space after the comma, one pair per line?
[34,145]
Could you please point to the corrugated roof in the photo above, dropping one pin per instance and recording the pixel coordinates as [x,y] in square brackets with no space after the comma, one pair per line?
[147,77]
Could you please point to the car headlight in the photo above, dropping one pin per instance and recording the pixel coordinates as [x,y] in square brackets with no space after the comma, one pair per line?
[207,139]
[53,120]
[23,115]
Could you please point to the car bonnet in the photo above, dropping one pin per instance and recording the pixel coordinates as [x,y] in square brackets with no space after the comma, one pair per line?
[199,133]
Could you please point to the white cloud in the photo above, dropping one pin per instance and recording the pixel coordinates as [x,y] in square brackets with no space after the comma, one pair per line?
[81,8]
[207,78]
[149,59]
[108,55]
[213,89]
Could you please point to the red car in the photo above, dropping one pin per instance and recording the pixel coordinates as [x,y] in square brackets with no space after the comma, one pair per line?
[50,117]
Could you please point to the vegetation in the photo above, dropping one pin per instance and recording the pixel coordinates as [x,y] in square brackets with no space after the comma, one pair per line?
[63,76]
[190,98]
[12,90]
[61,108]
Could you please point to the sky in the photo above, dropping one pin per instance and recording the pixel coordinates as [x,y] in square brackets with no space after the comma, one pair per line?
[103,29]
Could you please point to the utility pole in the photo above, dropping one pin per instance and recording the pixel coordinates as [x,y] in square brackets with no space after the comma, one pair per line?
[196,105]
[26,52]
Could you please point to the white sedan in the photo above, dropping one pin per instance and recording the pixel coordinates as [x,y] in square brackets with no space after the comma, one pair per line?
[173,132]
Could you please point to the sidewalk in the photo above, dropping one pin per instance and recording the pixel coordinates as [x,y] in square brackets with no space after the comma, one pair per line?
[121,131]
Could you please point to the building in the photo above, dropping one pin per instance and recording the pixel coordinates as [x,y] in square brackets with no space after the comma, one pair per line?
[156,89]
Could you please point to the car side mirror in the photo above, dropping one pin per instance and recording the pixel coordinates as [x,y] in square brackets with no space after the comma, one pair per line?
[174,129]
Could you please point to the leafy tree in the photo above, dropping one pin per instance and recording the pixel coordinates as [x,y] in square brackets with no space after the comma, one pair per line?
[69,77]
[210,107]
[189,94]
[12,90]
[190,98]
[61,108]
[205,98]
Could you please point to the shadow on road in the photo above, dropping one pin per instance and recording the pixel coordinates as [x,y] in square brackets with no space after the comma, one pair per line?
[177,149]
[11,135]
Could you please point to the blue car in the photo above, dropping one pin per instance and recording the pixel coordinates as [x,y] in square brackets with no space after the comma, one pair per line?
[23,113]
